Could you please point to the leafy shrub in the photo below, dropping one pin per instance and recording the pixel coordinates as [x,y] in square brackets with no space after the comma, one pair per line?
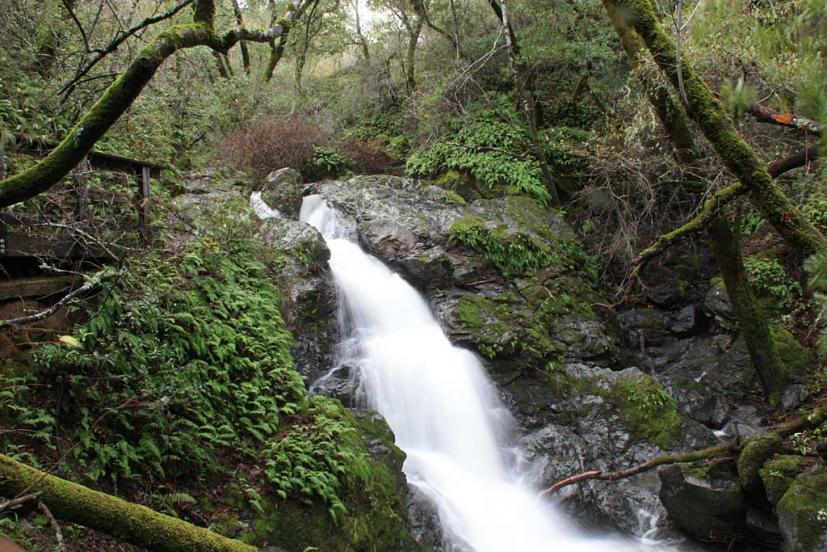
[309,461]
[512,254]
[817,267]
[182,358]
[329,162]
[769,277]
[266,144]
[815,209]
[492,145]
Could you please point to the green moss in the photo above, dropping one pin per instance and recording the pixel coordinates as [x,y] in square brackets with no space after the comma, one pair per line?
[646,409]
[486,321]
[795,357]
[778,473]
[452,198]
[802,513]
[755,452]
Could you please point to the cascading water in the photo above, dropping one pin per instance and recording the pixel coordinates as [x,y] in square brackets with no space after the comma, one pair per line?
[441,407]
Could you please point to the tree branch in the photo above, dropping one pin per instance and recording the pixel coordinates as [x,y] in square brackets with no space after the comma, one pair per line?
[814,419]
[634,470]
[115,43]
[92,283]
[767,115]
[713,205]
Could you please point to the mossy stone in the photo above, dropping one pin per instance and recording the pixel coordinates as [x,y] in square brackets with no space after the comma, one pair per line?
[802,513]
[755,452]
[779,472]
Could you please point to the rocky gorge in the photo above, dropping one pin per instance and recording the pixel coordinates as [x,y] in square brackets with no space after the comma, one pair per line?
[589,388]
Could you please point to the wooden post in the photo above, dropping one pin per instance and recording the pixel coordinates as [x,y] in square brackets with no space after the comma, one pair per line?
[4,236]
[143,206]
[80,178]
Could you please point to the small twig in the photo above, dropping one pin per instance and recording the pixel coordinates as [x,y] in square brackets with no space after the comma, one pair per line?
[19,501]
[53,522]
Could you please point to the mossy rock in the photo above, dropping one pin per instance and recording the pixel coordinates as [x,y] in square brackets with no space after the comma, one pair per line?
[779,472]
[802,513]
[647,410]
[375,518]
[703,502]
[755,452]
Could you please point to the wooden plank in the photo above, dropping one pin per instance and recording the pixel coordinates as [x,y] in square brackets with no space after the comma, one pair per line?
[37,286]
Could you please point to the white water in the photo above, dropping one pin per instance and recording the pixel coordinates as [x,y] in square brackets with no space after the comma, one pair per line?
[261,208]
[441,407]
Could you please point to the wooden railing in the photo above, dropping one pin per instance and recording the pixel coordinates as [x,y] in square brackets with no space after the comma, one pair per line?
[16,241]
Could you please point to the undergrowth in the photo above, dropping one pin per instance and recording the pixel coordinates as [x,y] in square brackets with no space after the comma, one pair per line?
[183,370]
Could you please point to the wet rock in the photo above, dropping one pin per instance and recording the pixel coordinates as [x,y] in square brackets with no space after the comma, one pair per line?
[703,502]
[340,383]
[687,320]
[719,307]
[762,526]
[779,473]
[754,453]
[802,513]
[307,292]
[644,328]
[283,190]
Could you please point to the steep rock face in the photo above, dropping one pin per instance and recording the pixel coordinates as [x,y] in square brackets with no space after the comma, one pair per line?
[506,278]
[308,299]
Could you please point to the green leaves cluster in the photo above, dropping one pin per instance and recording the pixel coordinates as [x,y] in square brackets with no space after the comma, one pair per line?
[309,461]
[492,145]
[512,253]
[515,253]
[768,277]
[184,357]
[328,162]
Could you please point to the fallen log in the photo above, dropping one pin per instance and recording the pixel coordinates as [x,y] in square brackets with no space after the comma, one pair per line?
[129,522]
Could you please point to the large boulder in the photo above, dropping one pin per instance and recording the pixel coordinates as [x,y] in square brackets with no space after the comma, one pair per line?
[283,189]
[707,503]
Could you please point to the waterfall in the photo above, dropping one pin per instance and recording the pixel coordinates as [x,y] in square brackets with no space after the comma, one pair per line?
[441,406]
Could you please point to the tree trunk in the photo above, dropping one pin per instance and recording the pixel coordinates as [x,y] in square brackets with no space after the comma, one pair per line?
[124,520]
[410,54]
[525,95]
[245,54]
[708,112]
[764,355]
[724,242]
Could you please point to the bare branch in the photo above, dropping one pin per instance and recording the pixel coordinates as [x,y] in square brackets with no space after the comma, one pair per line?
[19,501]
[712,206]
[115,43]
[767,115]
[53,522]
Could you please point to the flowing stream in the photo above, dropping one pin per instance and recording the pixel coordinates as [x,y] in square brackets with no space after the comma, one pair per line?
[441,406]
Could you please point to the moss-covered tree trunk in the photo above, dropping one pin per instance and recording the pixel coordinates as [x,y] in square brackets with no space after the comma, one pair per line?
[754,327]
[708,112]
[724,242]
[129,522]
